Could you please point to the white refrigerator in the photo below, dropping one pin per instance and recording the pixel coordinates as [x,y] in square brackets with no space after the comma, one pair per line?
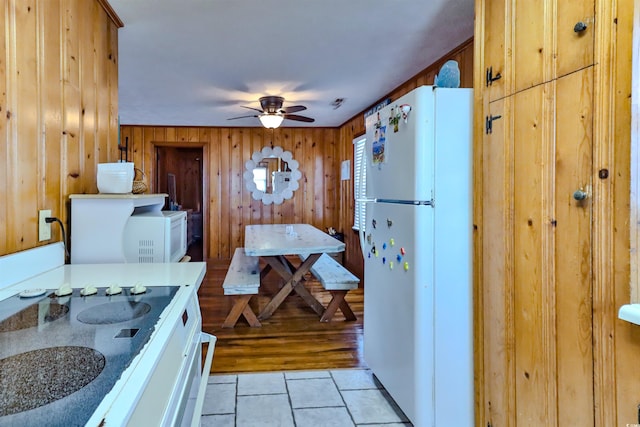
[417,247]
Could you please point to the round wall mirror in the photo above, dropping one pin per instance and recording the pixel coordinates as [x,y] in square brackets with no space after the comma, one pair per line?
[271,175]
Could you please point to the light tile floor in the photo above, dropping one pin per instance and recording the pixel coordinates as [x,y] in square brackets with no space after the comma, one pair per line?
[332,398]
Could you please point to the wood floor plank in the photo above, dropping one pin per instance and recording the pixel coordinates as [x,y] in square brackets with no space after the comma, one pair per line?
[292,339]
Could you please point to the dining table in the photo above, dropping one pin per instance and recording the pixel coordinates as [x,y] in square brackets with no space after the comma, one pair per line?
[274,242]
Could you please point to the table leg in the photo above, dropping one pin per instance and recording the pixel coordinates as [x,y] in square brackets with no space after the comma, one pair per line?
[284,269]
[336,302]
[241,307]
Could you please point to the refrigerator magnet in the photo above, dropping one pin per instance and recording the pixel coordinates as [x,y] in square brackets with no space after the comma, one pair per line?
[394,118]
[405,109]
[378,145]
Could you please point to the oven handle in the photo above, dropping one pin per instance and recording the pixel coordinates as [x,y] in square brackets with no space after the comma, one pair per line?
[206,369]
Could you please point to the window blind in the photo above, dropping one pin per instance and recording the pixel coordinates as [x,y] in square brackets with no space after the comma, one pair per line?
[359,182]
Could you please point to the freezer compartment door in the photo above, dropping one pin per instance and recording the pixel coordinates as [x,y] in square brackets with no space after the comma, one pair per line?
[398,304]
[399,154]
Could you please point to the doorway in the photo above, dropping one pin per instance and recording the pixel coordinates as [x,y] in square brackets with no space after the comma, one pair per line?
[179,173]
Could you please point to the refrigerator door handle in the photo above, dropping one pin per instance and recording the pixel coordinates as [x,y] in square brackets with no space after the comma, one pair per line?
[408,202]
[361,232]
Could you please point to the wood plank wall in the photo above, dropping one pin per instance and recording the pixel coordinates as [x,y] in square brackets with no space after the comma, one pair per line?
[58,105]
[230,206]
[533,367]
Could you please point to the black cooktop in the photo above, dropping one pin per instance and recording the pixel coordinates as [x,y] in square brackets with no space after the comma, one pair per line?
[59,356]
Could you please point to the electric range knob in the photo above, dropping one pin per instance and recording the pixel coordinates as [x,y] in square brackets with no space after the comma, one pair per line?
[138,288]
[114,290]
[88,290]
[64,290]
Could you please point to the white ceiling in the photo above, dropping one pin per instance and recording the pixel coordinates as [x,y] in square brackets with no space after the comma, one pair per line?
[196,62]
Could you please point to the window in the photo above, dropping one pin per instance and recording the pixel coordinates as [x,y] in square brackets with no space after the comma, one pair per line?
[260,178]
[359,181]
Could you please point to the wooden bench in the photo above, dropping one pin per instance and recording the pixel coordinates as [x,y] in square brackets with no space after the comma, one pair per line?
[338,281]
[242,280]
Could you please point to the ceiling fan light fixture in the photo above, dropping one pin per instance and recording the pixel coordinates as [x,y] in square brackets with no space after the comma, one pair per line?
[271,120]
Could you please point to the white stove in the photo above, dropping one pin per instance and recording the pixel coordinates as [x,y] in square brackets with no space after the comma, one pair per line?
[98,356]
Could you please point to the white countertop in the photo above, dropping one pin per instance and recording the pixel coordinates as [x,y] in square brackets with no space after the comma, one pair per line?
[273,239]
[103,275]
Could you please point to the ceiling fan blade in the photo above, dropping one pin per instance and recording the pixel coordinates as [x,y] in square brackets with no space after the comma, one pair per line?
[242,117]
[251,108]
[293,109]
[299,118]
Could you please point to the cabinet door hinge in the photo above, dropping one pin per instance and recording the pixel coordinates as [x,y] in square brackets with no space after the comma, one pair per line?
[490,77]
[488,123]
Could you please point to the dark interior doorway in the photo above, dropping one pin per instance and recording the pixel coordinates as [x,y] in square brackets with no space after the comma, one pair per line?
[179,174]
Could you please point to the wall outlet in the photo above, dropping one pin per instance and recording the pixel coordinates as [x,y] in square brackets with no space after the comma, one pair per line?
[44,229]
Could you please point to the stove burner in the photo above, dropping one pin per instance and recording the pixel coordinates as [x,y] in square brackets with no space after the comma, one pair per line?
[114,312]
[32,316]
[35,378]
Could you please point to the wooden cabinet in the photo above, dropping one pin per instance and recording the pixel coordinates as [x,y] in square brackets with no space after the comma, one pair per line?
[536,252]
[527,43]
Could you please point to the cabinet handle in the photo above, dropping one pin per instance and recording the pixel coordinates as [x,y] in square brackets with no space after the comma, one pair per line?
[490,78]
[580,195]
[580,27]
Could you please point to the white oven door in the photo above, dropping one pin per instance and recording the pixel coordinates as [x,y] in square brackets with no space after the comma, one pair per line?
[174,394]
[189,410]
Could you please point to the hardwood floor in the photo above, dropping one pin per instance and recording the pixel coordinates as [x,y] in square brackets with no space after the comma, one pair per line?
[292,339]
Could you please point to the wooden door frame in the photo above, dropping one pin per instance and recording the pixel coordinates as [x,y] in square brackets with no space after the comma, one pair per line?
[205,183]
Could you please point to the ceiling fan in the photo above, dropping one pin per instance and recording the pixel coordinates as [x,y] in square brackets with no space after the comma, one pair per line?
[273,113]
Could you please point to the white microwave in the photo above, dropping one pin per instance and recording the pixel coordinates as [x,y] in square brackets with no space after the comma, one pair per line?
[155,237]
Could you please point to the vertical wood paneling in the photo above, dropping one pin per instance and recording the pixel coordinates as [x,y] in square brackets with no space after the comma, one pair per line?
[230,206]
[14,226]
[111,66]
[627,341]
[215,194]
[574,49]
[88,99]
[569,277]
[50,75]
[497,261]
[530,367]
[573,163]
[72,141]
[5,136]
[529,47]
[51,52]
[604,206]
[26,115]
[225,244]
[495,16]
[103,95]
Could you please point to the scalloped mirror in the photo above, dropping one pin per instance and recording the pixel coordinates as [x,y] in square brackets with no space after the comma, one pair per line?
[271,175]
